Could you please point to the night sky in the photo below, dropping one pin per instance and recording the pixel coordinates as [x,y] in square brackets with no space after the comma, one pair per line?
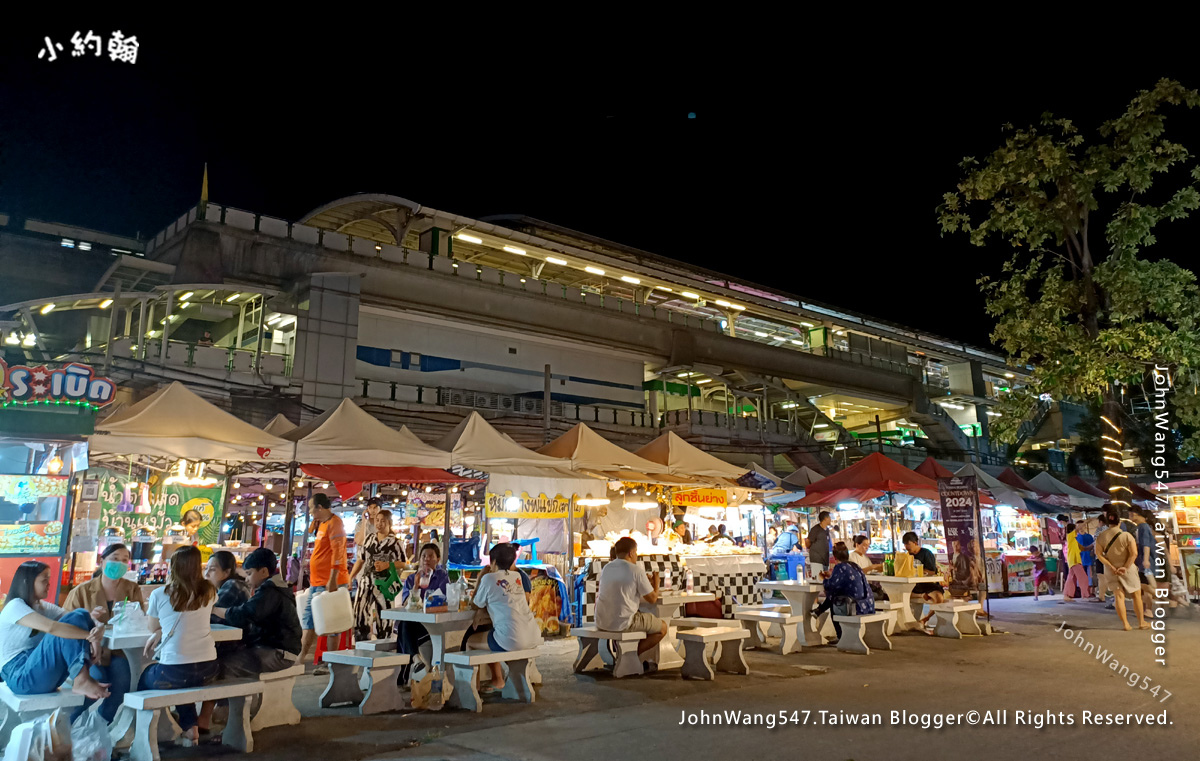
[817,173]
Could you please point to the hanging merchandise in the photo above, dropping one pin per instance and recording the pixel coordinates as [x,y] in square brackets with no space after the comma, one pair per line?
[126,503]
[144,507]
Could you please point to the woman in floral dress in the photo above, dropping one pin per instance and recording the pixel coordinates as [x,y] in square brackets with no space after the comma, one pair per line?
[380,551]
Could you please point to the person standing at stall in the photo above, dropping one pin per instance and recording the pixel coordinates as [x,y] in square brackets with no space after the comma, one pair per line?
[818,546]
[378,582]
[328,570]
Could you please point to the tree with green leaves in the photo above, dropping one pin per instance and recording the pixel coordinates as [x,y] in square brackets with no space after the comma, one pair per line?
[1075,299]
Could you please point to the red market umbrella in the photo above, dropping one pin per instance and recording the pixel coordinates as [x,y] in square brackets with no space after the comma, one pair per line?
[874,472]
[1013,479]
[826,498]
[932,469]
[1075,482]
[349,479]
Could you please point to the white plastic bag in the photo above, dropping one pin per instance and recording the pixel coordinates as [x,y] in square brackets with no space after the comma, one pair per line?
[332,612]
[89,738]
[44,739]
[129,619]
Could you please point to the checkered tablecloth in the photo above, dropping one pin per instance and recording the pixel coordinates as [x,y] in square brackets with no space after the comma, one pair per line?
[731,588]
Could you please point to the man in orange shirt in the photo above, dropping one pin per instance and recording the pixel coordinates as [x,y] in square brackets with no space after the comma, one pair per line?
[326,569]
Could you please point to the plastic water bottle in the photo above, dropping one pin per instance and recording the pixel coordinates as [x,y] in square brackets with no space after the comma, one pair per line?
[464,593]
[435,687]
[690,586]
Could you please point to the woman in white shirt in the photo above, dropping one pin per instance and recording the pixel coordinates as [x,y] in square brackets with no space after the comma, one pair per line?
[513,626]
[41,645]
[859,555]
[179,619]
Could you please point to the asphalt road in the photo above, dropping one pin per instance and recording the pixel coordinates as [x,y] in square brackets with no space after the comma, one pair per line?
[1032,668]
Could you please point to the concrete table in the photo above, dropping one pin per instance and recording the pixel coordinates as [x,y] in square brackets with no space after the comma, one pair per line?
[437,624]
[666,653]
[801,595]
[899,589]
[132,647]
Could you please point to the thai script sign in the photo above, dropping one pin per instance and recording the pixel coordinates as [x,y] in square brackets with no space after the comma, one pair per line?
[71,383]
[701,498]
[507,505]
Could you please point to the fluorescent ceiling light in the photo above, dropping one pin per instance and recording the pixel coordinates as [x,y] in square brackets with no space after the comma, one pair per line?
[706,380]
[275,319]
[1009,375]
[629,279]
[469,238]
[30,339]
[48,309]
[594,270]
[689,295]
[664,288]
[553,260]
[722,303]
[233,297]
[807,324]
[12,339]
[514,250]
[187,296]
[841,332]
[760,334]
[106,304]
[798,343]
[287,322]
[821,425]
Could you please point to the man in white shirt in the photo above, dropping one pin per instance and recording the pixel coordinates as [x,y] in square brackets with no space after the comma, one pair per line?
[623,587]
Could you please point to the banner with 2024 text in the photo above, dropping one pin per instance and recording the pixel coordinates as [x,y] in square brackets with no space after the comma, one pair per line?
[960,517]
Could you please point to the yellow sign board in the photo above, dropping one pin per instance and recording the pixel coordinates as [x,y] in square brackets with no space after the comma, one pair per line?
[701,498]
[508,505]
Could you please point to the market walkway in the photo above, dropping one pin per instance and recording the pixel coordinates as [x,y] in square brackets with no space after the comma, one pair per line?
[588,717]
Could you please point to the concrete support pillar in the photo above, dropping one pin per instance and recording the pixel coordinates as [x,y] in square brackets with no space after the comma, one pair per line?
[327,340]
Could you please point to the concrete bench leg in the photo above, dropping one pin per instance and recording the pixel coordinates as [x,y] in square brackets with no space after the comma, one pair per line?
[145,739]
[343,686]
[9,719]
[517,686]
[238,733]
[947,624]
[466,688]
[535,676]
[967,624]
[695,662]
[852,640]
[774,630]
[876,635]
[588,652]
[381,694]
[825,630]
[277,708]
[731,660]
[629,663]
[790,642]
[756,639]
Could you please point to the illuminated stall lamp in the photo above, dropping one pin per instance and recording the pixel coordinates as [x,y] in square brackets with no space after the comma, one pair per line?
[428,489]
[454,490]
[640,505]
[55,466]
[396,501]
[324,485]
[471,492]
[512,503]
[268,486]
[847,506]
[593,501]
[404,493]
[12,339]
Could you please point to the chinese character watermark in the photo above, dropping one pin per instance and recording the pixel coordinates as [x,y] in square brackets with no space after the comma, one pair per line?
[120,47]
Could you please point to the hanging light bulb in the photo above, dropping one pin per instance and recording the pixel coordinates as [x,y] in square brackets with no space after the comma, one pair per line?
[428,489]
[454,490]
[471,492]
[268,486]
[237,484]
[55,465]
[324,485]
[404,493]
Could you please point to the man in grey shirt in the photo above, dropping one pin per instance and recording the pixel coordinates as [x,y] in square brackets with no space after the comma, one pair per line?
[818,546]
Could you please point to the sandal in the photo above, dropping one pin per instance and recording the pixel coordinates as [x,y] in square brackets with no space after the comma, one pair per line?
[487,689]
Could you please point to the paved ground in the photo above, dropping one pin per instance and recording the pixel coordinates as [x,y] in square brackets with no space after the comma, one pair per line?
[1032,668]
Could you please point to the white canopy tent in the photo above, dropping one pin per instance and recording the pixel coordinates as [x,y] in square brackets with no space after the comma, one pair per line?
[1048,484]
[175,422]
[587,450]
[475,444]
[279,425]
[348,435]
[1000,491]
[801,477]
[681,458]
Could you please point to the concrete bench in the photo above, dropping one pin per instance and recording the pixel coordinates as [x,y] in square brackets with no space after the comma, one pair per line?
[861,633]
[771,606]
[376,692]
[788,623]
[696,642]
[379,645]
[149,704]
[16,709]
[278,708]
[626,660]
[883,606]
[464,670]
[954,619]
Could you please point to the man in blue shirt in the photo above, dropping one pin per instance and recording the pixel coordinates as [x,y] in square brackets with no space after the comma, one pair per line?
[1147,548]
[1086,542]
[787,540]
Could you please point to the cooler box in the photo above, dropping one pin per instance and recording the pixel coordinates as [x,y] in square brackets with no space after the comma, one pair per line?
[795,567]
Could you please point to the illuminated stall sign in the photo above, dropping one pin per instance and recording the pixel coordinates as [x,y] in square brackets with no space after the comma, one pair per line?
[32,510]
[508,505]
[72,383]
[701,498]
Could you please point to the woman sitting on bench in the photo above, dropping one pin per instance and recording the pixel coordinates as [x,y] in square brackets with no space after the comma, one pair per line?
[42,645]
[188,657]
[846,588]
[430,576]
[513,626]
